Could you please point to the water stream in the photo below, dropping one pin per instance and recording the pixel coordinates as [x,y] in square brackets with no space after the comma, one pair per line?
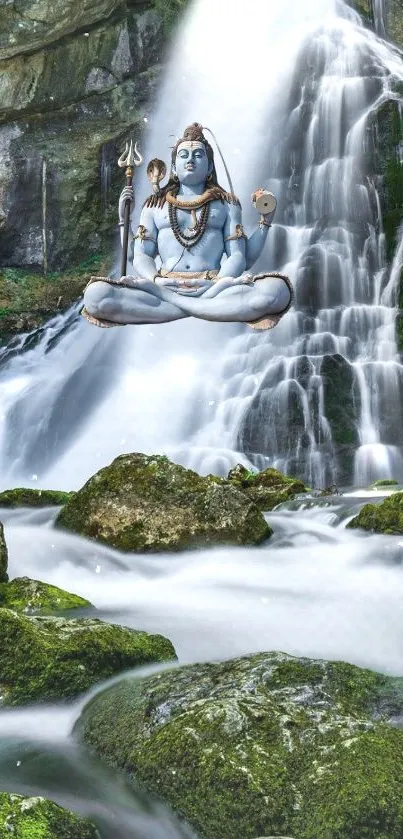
[292,112]
[315,589]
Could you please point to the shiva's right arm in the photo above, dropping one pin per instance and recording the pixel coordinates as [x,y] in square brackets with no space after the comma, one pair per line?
[145,246]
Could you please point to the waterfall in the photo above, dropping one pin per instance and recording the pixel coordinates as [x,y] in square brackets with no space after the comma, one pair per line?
[291,111]
[379,17]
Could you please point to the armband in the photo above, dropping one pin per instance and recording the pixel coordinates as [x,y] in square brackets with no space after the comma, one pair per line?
[239,233]
[142,234]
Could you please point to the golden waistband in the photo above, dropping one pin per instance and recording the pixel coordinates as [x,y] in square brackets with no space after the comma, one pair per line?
[188,275]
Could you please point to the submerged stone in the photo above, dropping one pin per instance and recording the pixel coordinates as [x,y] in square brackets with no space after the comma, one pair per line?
[386,517]
[22,817]
[261,745]
[48,658]
[34,597]
[147,503]
[266,489]
[3,556]
[25,497]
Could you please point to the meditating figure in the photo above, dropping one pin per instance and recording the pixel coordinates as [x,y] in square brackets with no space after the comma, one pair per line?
[192,224]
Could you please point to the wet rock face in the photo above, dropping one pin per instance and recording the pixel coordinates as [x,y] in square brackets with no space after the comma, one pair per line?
[263,745]
[3,556]
[67,656]
[37,23]
[147,503]
[35,817]
[342,410]
[75,79]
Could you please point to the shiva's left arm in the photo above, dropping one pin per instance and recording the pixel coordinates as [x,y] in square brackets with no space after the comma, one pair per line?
[234,243]
[256,242]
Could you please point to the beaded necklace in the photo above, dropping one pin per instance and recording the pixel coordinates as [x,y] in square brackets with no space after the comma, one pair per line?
[190,237]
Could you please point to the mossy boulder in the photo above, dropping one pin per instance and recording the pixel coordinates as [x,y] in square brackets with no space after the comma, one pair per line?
[266,489]
[33,597]
[386,517]
[49,658]
[385,482]
[23,497]
[147,503]
[260,745]
[3,556]
[37,818]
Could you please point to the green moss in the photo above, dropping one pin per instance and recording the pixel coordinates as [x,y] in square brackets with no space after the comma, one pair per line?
[386,517]
[385,482]
[34,597]
[3,556]
[23,497]
[243,748]
[147,503]
[37,818]
[266,489]
[48,658]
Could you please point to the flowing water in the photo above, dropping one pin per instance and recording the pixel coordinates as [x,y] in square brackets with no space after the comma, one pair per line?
[292,111]
[316,589]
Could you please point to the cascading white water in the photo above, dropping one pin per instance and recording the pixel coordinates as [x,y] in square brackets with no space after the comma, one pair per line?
[287,89]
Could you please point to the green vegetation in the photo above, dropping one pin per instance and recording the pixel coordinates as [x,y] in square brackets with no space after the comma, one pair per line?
[28,299]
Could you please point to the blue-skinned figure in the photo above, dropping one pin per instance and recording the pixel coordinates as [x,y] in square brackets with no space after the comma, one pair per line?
[191,224]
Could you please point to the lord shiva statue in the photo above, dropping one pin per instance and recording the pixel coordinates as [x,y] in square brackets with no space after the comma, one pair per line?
[195,228]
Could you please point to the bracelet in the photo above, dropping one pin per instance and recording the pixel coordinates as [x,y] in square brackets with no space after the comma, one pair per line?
[263,223]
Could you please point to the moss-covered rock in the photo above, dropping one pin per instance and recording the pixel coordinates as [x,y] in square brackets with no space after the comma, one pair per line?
[266,489]
[266,744]
[37,818]
[384,482]
[3,556]
[33,597]
[147,503]
[25,497]
[386,517]
[48,658]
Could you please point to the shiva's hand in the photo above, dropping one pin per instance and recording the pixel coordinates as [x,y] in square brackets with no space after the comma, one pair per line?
[126,194]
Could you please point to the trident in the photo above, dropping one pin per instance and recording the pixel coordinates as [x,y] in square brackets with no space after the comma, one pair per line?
[127,160]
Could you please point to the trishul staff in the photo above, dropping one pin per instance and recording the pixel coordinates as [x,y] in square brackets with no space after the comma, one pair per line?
[128,160]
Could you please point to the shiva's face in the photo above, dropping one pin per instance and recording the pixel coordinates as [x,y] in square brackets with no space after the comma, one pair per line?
[191,163]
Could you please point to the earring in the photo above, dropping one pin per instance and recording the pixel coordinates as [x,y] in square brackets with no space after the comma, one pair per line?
[210,178]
